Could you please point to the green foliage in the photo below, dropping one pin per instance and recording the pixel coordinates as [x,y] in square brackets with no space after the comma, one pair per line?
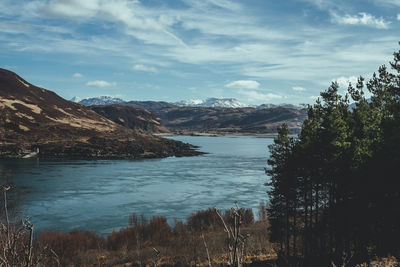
[334,189]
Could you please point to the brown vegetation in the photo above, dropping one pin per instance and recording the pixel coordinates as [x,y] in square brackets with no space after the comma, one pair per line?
[138,119]
[153,241]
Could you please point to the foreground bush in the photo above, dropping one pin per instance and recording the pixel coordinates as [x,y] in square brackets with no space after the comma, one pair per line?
[154,241]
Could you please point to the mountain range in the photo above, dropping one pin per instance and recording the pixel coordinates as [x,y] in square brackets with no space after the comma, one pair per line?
[209,102]
[212,102]
[206,116]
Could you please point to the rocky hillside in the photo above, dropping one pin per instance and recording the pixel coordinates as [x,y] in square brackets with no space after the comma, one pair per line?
[138,119]
[35,120]
[229,121]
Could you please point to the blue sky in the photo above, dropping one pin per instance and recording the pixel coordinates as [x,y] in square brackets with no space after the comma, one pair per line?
[257,51]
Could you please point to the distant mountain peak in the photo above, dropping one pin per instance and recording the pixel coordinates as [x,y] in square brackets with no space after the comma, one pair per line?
[75,99]
[212,102]
[283,105]
[101,100]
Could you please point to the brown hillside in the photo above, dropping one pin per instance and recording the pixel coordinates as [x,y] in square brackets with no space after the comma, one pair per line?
[137,119]
[231,120]
[33,117]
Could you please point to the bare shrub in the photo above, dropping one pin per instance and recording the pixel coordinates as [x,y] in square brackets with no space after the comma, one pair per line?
[73,246]
[204,220]
[262,212]
[17,244]
[156,231]
[246,215]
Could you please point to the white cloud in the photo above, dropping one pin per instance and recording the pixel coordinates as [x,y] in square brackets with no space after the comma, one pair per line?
[361,19]
[246,84]
[344,81]
[258,97]
[398,16]
[141,67]
[225,4]
[77,75]
[298,88]
[100,84]
[72,8]
[140,22]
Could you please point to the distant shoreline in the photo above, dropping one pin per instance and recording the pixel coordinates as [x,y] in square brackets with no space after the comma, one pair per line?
[217,134]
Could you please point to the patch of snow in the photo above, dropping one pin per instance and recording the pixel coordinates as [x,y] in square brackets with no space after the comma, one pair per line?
[102,100]
[212,102]
[75,99]
[283,105]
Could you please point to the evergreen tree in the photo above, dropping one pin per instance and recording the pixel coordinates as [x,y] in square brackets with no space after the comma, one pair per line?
[335,188]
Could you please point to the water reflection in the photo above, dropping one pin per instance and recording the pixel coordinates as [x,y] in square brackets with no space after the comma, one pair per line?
[100,195]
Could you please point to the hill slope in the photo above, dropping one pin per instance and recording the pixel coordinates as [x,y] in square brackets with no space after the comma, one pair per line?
[34,118]
[138,119]
[231,120]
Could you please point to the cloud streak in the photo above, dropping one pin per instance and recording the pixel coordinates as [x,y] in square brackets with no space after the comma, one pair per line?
[248,84]
[253,96]
[100,84]
[362,18]
[141,67]
[298,88]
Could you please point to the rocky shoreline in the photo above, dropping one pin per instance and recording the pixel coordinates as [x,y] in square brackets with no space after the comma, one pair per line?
[99,148]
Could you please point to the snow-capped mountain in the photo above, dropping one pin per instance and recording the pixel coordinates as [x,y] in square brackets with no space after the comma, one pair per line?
[209,102]
[212,102]
[189,103]
[283,105]
[352,106]
[293,106]
[102,100]
[75,99]
[267,106]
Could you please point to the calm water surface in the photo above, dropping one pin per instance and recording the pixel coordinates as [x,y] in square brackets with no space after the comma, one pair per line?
[101,195]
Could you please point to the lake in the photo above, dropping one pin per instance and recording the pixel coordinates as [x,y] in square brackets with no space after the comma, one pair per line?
[100,195]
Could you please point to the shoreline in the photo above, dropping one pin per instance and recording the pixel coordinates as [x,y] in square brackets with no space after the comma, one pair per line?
[216,134]
[99,149]
[220,134]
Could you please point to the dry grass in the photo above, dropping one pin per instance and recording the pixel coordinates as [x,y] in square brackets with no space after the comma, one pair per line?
[147,242]
[383,262]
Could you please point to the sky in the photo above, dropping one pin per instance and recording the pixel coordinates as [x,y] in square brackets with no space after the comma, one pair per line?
[257,51]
